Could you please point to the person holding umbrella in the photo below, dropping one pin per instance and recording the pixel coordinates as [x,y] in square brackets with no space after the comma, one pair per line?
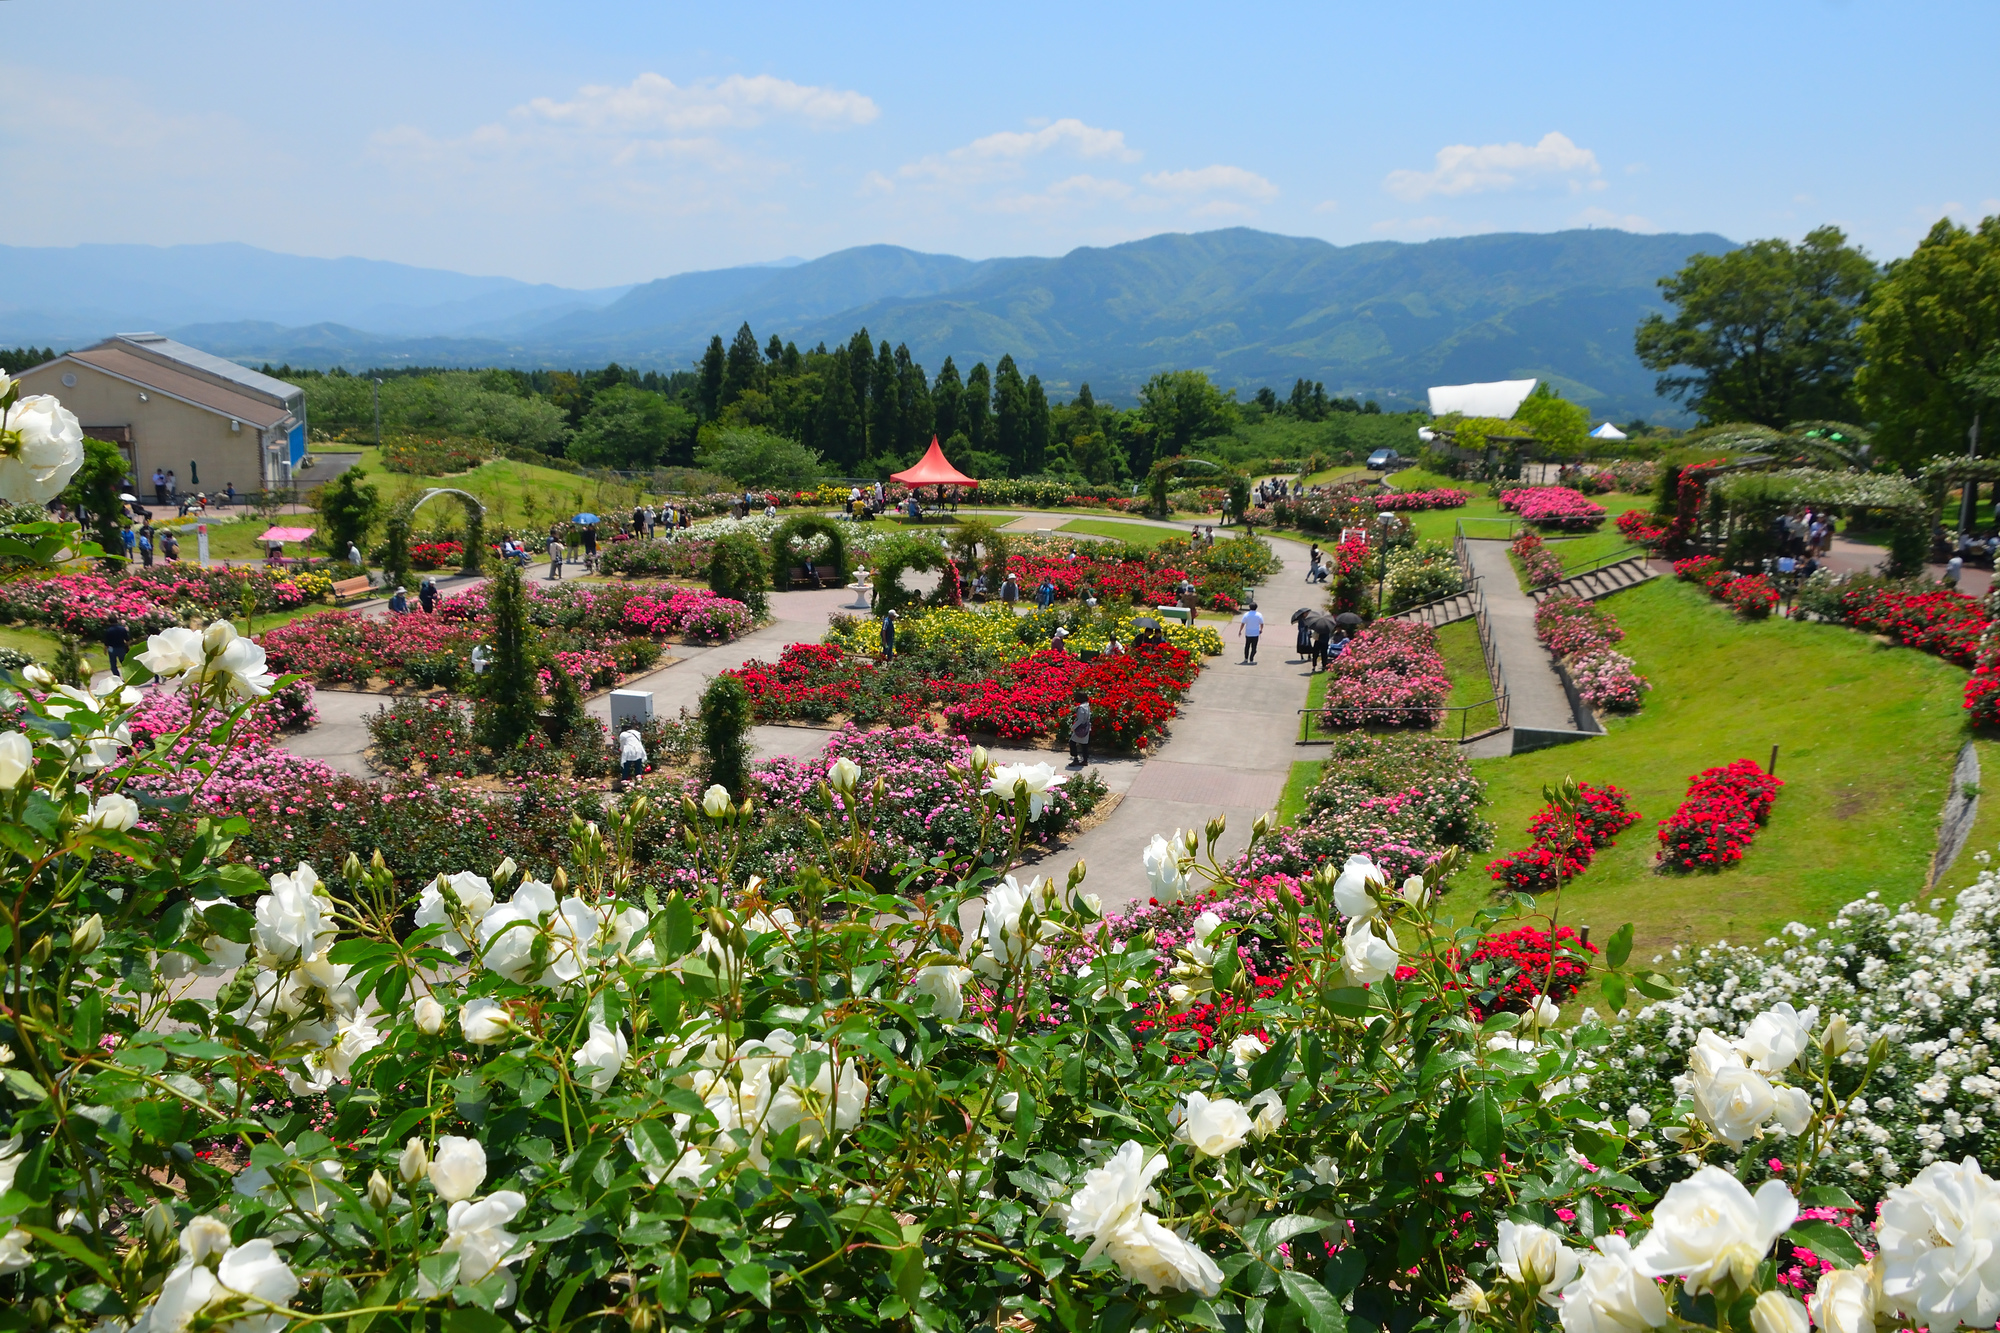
[1305,634]
[589,525]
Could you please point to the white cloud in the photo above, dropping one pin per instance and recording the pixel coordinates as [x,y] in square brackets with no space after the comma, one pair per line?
[1002,155]
[653,103]
[1212,180]
[1464,169]
[1073,192]
[1327,206]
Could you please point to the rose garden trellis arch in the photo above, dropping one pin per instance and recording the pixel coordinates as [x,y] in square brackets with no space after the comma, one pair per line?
[396,560]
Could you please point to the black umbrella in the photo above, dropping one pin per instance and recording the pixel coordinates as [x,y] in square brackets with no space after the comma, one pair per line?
[1146,622]
[1319,622]
[1348,618]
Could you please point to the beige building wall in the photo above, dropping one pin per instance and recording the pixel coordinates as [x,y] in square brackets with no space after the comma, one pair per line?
[166,432]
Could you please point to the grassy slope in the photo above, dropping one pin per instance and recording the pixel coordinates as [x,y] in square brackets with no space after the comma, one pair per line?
[1867,734]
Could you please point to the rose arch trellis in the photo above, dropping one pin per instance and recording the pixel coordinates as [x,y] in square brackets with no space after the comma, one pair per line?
[396,561]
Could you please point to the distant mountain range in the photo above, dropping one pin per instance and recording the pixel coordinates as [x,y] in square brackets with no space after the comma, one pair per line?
[1382,319]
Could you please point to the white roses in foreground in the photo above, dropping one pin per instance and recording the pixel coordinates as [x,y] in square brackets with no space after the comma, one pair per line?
[1110,1211]
[1037,782]
[41,447]
[213,1272]
[1709,1230]
[1212,1128]
[1732,1094]
[214,659]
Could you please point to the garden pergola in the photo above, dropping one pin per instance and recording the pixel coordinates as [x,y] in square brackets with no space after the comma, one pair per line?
[1742,504]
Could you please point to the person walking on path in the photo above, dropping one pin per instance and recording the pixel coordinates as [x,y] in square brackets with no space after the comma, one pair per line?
[170,546]
[146,546]
[159,487]
[1079,732]
[888,636]
[555,556]
[1305,643]
[117,639]
[589,547]
[1250,628]
[427,595]
[1045,595]
[631,754]
[1010,593]
[1952,569]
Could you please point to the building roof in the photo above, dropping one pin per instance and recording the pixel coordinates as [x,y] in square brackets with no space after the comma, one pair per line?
[933,470]
[161,346]
[1501,398]
[113,359]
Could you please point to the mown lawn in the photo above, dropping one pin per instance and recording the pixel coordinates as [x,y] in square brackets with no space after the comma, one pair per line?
[1138,534]
[1866,736]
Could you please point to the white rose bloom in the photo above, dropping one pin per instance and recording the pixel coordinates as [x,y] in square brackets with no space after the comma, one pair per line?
[1940,1238]
[715,802]
[1365,958]
[1846,1300]
[1775,1312]
[11,1156]
[172,652]
[1535,1257]
[1110,1211]
[187,1289]
[17,759]
[1350,891]
[507,930]
[1610,1295]
[1203,930]
[1545,1012]
[1793,1108]
[1212,1128]
[459,1168]
[41,447]
[1163,868]
[1037,781]
[1777,1037]
[112,813]
[1638,1117]
[291,923]
[843,775]
[476,1232]
[1734,1099]
[475,895]
[600,1058]
[1245,1049]
[204,1238]
[231,663]
[357,1037]
[1267,1113]
[428,1015]
[484,1021]
[14,1254]
[256,1270]
[1414,892]
[945,984]
[1709,1229]
[1006,903]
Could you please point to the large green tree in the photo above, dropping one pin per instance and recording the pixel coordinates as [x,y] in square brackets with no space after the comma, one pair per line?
[1182,406]
[757,457]
[1764,333]
[1928,328]
[708,387]
[742,366]
[632,428]
[1010,417]
[1560,426]
[351,507]
[975,412]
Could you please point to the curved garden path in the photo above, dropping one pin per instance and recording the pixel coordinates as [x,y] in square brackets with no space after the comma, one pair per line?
[1230,751]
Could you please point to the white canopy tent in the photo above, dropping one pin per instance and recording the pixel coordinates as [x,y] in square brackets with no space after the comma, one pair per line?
[1607,432]
[1500,399]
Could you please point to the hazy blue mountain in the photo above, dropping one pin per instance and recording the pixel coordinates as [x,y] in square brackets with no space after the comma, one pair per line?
[1381,319]
[72,294]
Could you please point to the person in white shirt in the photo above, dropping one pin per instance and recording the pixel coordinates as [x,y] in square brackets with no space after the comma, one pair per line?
[1250,628]
[631,754]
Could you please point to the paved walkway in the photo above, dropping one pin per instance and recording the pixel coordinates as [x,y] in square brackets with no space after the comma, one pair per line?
[1230,751]
[1535,694]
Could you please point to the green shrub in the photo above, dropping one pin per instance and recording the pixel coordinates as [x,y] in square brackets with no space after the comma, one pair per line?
[725,733]
[738,568]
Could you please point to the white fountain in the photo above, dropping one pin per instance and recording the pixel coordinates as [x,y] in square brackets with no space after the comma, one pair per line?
[862,591]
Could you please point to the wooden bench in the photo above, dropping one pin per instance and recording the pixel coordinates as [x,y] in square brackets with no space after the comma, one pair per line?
[822,577]
[351,587]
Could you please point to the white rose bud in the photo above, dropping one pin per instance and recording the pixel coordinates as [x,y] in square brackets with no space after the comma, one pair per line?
[1776,1312]
[39,676]
[414,1162]
[379,1193]
[1792,1108]
[1837,1039]
[1414,893]
[715,802]
[112,813]
[1009,1104]
[844,776]
[484,1021]
[429,1015]
[459,1168]
[87,936]
[17,759]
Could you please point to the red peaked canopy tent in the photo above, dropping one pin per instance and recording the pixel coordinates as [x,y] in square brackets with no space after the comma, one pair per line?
[934,469]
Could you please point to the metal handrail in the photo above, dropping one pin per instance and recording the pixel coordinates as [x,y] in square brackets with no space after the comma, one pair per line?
[1435,601]
[1498,703]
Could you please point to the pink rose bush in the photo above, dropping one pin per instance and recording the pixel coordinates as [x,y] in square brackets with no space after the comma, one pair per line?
[1557,507]
[147,599]
[1390,675]
[1583,634]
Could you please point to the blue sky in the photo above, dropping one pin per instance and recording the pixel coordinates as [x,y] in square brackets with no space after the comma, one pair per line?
[590,144]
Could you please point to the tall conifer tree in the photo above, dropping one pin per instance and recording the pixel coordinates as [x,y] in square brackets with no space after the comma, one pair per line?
[1010,416]
[1037,432]
[743,369]
[708,388]
[975,417]
[948,401]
